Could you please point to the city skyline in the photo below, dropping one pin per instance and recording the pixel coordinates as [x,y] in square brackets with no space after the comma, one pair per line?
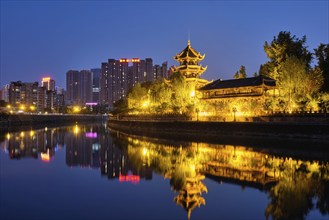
[36,42]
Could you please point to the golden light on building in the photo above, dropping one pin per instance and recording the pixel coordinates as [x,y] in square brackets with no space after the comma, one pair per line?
[32,107]
[192,168]
[22,134]
[145,151]
[32,133]
[76,129]
[192,94]
[145,104]
[8,136]
[22,107]
[76,109]
[46,79]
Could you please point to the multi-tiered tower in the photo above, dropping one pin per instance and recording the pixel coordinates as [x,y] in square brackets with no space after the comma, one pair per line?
[189,65]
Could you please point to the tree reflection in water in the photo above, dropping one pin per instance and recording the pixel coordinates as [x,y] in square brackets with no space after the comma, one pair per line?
[295,186]
[293,196]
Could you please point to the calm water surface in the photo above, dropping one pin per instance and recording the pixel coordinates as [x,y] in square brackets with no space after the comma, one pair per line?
[91,172]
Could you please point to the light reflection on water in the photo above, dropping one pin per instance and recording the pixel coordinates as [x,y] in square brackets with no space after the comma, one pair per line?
[277,185]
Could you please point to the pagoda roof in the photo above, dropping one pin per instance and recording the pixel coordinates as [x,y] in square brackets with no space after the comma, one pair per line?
[189,53]
[244,82]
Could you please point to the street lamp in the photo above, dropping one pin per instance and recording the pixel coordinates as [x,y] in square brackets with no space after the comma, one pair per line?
[234,111]
[197,114]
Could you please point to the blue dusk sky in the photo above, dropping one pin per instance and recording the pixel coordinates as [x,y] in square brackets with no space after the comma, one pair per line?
[48,38]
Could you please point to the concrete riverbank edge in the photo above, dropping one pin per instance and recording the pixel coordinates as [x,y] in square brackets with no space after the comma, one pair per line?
[213,130]
[9,120]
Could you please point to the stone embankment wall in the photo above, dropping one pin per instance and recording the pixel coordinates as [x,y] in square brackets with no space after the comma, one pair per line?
[299,130]
[9,120]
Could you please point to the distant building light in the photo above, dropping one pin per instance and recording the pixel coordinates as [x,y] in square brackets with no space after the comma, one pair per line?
[91,103]
[46,79]
[45,157]
[133,60]
[129,178]
[91,135]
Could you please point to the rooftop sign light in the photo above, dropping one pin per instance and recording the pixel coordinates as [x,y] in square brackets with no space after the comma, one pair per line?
[129,178]
[133,60]
[46,79]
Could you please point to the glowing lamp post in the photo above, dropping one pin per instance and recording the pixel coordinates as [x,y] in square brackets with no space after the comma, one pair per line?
[197,114]
[234,111]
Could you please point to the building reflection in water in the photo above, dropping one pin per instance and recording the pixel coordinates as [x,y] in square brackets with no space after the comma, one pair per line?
[42,143]
[294,185]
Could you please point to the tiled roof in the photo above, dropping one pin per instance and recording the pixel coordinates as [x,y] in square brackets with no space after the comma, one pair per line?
[235,83]
[188,52]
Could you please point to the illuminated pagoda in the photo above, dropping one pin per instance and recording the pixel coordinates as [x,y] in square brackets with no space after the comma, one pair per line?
[189,65]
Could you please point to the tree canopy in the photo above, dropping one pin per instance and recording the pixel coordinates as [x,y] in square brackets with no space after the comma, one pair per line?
[241,73]
[322,55]
[290,65]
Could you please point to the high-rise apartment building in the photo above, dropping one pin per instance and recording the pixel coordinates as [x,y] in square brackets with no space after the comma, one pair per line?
[48,83]
[160,71]
[5,93]
[117,77]
[23,95]
[96,75]
[72,88]
[29,96]
[79,86]
[113,81]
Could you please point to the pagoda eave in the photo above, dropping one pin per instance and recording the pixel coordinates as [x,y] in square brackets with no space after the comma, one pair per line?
[190,68]
[188,58]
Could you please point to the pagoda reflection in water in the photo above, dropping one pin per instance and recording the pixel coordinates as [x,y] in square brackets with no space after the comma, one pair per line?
[291,182]
[295,185]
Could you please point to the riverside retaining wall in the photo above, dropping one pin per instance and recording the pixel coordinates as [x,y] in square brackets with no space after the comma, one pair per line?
[10,120]
[296,130]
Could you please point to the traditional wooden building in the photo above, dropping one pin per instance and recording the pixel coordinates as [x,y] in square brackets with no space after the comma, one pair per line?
[246,97]
[253,87]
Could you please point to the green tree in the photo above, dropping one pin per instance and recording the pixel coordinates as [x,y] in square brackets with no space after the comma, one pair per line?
[282,47]
[241,73]
[322,55]
[161,95]
[289,64]
[120,106]
[137,97]
[295,83]
[236,75]
[181,99]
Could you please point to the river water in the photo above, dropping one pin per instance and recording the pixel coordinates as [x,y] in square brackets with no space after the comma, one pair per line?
[93,172]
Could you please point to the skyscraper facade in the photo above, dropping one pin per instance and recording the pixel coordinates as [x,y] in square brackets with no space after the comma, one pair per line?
[96,75]
[79,86]
[23,95]
[118,77]
[5,93]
